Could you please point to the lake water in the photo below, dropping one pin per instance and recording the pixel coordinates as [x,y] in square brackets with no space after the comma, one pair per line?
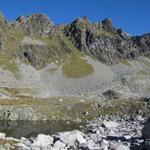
[18,129]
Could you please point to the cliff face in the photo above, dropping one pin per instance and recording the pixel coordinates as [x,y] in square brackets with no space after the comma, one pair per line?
[105,42]
[80,58]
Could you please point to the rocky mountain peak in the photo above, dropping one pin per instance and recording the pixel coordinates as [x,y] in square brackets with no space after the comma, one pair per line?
[107,22]
[80,23]
[35,24]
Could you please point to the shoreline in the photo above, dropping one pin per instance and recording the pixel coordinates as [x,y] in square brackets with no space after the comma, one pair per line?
[109,132]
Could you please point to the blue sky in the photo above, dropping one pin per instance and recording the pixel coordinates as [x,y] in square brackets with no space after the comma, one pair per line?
[133,16]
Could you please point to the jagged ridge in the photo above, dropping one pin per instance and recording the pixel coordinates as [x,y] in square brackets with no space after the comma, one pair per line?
[100,40]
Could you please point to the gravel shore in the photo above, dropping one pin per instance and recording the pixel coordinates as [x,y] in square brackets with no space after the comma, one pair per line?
[104,133]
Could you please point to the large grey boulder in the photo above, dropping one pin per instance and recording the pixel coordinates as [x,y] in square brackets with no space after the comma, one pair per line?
[43,140]
[72,137]
[59,145]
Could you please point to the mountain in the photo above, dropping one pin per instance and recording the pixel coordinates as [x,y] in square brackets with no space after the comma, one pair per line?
[59,77]
[77,59]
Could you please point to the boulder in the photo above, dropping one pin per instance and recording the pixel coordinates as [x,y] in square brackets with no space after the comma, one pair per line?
[59,145]
[111,94]
[25,141]
[91,145]
[109,124]
[2,135]
[43,140]
[127,137]
[72,137]
[1,45]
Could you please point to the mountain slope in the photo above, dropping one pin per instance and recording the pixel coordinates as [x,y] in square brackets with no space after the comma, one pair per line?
[82,59]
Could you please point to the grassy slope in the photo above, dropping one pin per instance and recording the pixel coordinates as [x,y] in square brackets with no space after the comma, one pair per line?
[73,66]
[76,67]
[12,40]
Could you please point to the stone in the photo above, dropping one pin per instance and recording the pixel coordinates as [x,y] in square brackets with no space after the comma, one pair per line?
[111,94]
[25,141]
[59,145]
[7,146]
[92,146]
[109,124]
[43,140]
[1,45]
[2,135]
[12,139]
[127,137]
[23,146]
[113,146]
[122,147]
[72,137]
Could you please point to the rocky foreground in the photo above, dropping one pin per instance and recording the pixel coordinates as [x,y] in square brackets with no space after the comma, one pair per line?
[105,133]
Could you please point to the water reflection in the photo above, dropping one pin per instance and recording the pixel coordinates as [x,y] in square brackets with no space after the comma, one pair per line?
[18,129]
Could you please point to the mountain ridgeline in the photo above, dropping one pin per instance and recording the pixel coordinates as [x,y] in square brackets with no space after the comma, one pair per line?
[100,40]
[79,58]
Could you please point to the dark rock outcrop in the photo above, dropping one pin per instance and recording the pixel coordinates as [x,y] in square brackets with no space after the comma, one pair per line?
[37,55]
[110,94]
[105,42]
[146,130]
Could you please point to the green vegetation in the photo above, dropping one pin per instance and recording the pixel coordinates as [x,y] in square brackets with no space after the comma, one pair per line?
[17,92]
[62,51]
[57,52]
[125,62]
[77,67]
[9,65]
[68,108]
[12,41]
